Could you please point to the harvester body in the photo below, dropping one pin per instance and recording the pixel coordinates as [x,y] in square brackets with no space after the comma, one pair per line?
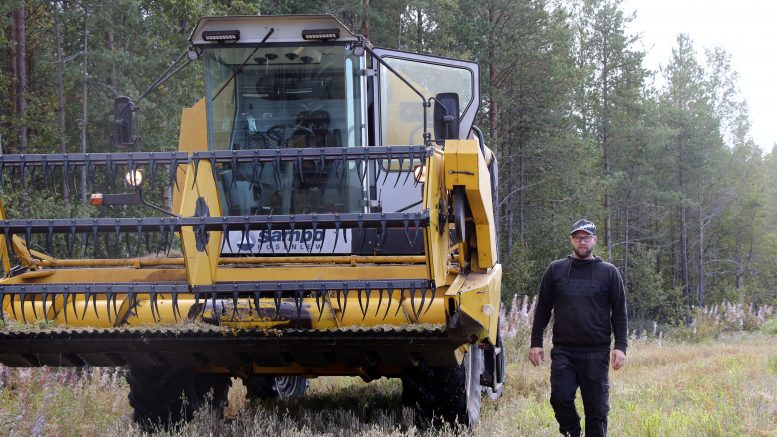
[334,214]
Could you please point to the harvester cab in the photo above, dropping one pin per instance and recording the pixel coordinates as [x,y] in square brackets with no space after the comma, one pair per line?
[333,207]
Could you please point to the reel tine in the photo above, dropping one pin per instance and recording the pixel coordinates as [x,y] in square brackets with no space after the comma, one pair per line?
[154,306]
[13,307]
[45,297]
[234,303]
[196,161]
[345,299]
[117,236]
[360,223]
[298,300]
[423,301]
[94,305]
[256,300]
[28,235]
[431,301]
[234,169]
[44,171]
[361,306]
[115,310]
[406,224]
[417,224]
[401,298]
[87,295]
[176,309]
[283,236]
[268,223]
[388,160]
[401,160]
[108,296]
[111,171]
[299,166]
[410,166]
[380,301]
[277,295]
[225,233]
[389,293]
[2,300]
[174,172]
[368,292]
[213,301]
[153,169]
[22,297]
[276,168]
[65,297]
[21,172]
[412,301]
[382,231]
[32,302]
[319,301]
[138,236]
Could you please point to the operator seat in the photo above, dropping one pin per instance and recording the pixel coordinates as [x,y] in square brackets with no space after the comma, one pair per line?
[313,130]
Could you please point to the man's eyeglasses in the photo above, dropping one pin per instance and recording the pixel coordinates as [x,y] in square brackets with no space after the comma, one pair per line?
[587,239]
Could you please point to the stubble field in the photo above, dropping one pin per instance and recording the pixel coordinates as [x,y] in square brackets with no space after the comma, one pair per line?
[721,387]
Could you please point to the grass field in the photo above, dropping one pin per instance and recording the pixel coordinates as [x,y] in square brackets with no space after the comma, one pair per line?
[720,387]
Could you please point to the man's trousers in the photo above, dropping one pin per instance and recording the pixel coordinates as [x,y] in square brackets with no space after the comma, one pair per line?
[589,371]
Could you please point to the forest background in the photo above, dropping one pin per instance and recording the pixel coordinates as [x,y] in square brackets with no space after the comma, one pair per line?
[663,161]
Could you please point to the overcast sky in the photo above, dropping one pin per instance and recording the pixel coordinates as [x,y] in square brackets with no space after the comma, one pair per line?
[747,29]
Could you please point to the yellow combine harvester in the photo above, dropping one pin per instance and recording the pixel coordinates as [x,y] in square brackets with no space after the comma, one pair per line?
[333,206]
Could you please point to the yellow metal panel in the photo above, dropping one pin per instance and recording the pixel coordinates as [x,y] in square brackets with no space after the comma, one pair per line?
[465,166]
[479,297]
[437,236]
[193,138]
[200,265]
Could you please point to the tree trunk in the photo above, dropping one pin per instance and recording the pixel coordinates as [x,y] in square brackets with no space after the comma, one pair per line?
[84,107]
[21,77]
[700,300]
[61,102]
[365,28]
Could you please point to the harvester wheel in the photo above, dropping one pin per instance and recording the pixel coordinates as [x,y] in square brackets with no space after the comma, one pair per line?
[451,394]
[285,388]
[166,396]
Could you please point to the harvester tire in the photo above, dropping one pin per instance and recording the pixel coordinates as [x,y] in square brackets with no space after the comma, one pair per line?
[451,394]
[162,397]
[284,388]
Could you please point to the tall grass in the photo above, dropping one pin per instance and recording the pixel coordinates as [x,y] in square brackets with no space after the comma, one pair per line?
[669,387]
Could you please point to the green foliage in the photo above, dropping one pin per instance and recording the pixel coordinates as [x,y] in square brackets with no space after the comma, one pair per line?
[770,327]
[684,199]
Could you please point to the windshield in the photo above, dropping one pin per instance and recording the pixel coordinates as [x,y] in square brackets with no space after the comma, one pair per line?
[291,96]
[285,97]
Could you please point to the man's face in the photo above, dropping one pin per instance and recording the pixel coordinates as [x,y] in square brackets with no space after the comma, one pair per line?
[583,244]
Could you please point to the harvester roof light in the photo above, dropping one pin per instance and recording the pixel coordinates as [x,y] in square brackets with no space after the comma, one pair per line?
[221,35]
[321,34]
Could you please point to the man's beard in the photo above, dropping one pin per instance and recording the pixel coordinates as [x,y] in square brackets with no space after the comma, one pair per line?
[583,253]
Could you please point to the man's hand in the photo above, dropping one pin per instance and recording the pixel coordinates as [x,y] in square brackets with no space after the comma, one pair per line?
[536,356]
[618,359]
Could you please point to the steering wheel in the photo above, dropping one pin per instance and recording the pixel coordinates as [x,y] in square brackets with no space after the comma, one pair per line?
[282,133]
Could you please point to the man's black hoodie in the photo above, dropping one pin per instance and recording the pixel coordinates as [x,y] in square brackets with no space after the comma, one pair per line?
[589,303]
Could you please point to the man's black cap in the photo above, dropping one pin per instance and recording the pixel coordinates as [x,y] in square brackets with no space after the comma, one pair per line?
[583,225]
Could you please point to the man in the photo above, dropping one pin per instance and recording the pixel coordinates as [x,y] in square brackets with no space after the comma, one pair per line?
[587,298]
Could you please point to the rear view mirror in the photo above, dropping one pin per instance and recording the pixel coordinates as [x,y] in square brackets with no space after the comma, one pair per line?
[124,122]
[446,116]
